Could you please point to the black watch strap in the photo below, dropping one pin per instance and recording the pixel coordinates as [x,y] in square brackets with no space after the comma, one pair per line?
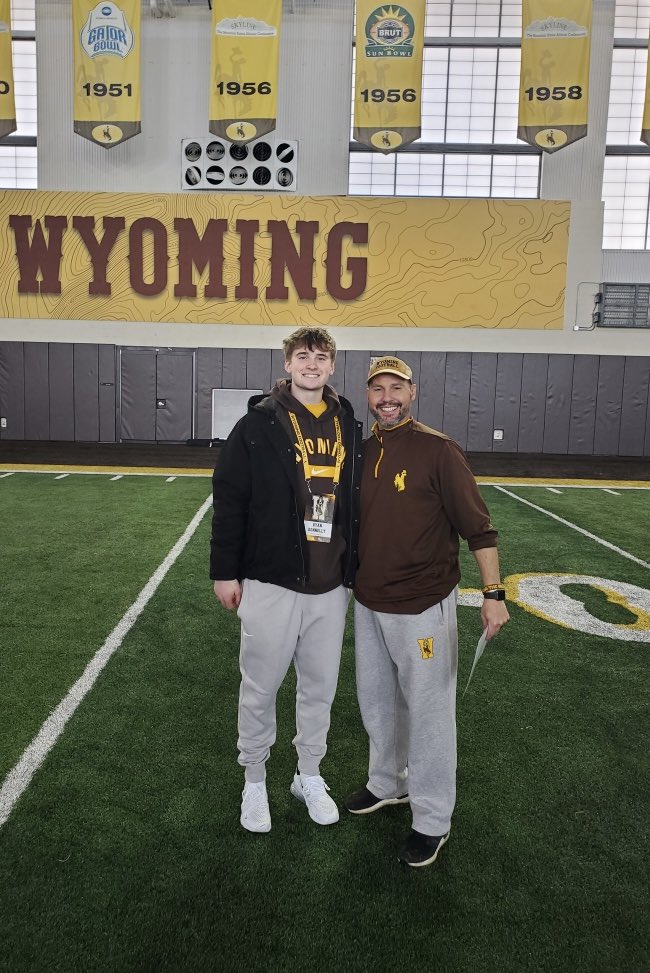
[497,595]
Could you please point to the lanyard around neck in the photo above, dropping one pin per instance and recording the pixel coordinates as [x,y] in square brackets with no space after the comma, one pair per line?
[306,465]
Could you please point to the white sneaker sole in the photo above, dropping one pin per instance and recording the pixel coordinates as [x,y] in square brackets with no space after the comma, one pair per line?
[301,797]
[259,829]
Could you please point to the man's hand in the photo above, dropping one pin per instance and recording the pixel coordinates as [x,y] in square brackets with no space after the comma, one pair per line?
[494,616]
[228,593]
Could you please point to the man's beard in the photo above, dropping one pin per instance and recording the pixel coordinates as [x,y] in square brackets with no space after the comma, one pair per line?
[400,416]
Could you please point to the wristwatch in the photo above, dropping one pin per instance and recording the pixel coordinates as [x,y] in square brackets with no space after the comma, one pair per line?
[495,591]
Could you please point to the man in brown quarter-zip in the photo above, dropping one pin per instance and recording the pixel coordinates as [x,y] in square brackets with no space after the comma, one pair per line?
[418,496]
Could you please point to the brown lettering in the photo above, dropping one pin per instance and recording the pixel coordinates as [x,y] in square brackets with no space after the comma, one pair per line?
[156,230]
[300,264]
[39,256]
[99,252]
[199,251]
[248,230]
[357,267]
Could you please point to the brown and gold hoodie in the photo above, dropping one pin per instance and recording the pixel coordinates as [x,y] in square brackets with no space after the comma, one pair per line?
[418,495]
[319,435]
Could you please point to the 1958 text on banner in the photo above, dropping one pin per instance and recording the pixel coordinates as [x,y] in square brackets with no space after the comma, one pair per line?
[554,79]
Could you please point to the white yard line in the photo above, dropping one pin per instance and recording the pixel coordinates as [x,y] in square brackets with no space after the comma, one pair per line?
[553,490]
[614,493]
[580,530]
[61,476]
[118,477]
[170,479]
[17,780]
[2,475]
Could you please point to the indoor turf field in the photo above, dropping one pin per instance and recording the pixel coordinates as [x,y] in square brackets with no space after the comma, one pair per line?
[120,844]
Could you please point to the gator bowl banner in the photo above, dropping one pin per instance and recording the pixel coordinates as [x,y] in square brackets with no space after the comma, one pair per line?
[7,102]
[106,43]
[554,78]
[388,74]
[286,260]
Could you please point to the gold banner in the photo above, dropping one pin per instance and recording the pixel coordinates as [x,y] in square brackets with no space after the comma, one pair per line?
[7,102]
[106,41]
[244,78]
[554,79]
[645,124]
[288,260]
[388,77]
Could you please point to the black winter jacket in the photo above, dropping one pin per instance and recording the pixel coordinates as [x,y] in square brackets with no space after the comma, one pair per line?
[257,529]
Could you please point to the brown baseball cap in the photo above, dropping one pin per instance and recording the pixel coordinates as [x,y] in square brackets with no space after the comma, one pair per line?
[395,366]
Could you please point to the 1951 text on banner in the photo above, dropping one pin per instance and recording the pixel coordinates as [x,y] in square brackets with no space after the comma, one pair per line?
[7,102]
[554,79]
[245,56]
[106,40]
[388,77]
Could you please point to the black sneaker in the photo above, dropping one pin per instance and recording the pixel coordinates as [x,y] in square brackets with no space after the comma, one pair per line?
[365,802]
[421,849]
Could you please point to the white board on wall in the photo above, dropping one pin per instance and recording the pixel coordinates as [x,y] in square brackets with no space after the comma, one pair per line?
[228,407]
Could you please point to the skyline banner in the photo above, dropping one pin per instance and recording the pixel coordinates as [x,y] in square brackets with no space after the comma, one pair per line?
[106,43]
[241,259]
[554,77]
[245,58]
[7,99]
[388,74]
[645,124]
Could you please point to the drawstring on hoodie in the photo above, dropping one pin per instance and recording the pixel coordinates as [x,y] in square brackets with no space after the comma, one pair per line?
[381,454]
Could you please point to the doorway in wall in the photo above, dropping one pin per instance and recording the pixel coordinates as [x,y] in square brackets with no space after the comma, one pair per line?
[156,395]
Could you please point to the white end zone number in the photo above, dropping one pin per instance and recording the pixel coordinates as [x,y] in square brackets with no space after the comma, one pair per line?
[542,595]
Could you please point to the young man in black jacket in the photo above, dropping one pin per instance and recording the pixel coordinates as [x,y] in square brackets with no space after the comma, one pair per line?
[283,554]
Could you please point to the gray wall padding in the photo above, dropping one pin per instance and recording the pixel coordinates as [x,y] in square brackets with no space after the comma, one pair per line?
[587,404]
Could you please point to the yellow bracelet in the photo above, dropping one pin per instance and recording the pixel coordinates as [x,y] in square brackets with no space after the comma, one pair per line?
[493,587]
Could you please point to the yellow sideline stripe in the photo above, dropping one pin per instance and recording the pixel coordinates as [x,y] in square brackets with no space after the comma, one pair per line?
[174,471]
[128,470]
[560,482]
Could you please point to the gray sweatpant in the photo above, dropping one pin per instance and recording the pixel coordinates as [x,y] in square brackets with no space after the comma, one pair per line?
[407,695]
[279,626]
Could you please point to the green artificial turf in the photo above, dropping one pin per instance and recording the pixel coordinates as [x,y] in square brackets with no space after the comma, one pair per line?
[126,852]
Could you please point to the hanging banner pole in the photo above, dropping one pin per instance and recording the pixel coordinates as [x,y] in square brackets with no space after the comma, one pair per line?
[388,75]
[245,55]
[106,41]
[554,78]
[7,100]
[645,124]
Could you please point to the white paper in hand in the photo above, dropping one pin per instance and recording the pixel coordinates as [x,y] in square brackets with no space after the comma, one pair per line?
[480,645]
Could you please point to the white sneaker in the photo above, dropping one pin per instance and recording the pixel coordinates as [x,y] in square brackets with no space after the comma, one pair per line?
[312,791]
[255,814]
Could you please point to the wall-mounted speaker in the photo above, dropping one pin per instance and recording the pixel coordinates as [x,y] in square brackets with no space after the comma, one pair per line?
[269,164]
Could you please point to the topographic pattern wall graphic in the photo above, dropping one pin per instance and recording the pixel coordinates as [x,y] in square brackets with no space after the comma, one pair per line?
[286,260]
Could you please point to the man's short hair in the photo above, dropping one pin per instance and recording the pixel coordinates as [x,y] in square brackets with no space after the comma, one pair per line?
[309,338]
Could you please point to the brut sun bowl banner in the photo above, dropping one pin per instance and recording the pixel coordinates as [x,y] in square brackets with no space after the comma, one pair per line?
[554,79]
[106,41]
[245,56]
[388,75]
[286,260]
[7,102]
